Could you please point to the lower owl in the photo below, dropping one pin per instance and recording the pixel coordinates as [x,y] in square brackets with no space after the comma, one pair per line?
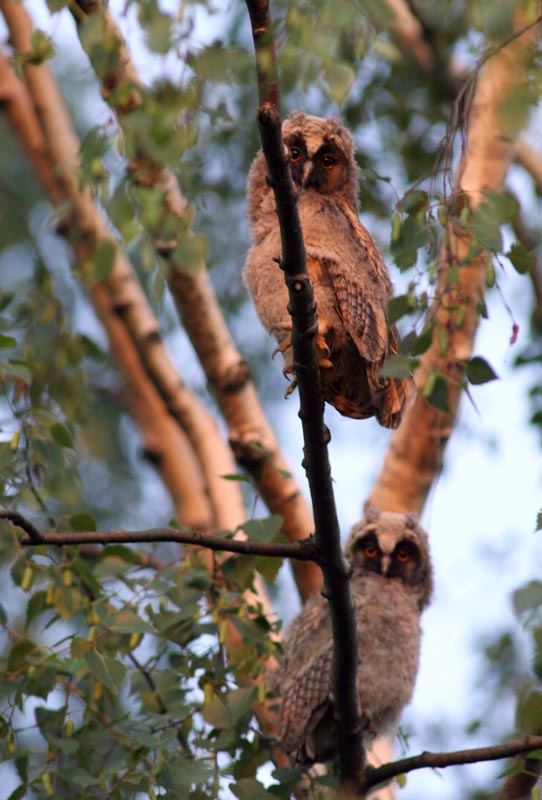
[351,284]
[391,585]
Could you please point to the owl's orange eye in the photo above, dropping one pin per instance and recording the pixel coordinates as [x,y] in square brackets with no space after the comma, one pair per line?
[403,555]
[295,154]
[328,161]
[370,551]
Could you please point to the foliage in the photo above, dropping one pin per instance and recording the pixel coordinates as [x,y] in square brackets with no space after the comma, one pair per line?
[115,678]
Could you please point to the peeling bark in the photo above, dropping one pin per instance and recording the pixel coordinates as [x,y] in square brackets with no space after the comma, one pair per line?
[414,458]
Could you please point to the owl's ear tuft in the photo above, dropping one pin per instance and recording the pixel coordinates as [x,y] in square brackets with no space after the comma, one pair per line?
[371,512]
[412,520]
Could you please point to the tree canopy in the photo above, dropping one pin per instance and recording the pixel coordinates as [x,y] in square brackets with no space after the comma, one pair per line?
[141,409]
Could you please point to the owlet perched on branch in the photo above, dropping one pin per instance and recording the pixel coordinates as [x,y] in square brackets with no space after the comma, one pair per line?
[391,585]
[351,283]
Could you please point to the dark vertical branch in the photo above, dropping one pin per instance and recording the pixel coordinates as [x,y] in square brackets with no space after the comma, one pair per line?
[266,60]
[302,308]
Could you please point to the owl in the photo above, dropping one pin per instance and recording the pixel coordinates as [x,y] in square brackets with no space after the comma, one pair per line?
[391,584]
[351,284]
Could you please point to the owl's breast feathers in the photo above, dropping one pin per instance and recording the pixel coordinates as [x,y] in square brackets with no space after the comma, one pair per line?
[387,622]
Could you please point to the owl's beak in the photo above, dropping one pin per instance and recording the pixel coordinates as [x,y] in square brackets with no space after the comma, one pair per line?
[308,175]
[386,561]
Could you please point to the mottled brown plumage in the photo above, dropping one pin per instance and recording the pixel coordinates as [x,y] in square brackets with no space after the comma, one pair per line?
[391,585]
[351,284]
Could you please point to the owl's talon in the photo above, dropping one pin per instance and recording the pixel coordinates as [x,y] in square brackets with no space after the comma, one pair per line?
[280,326]
[282,348]
[321,344]
[292,385]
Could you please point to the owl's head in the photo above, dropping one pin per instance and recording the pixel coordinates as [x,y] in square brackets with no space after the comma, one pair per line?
[321,153]
[393,545]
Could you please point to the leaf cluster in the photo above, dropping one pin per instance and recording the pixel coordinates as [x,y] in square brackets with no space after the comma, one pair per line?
[132,689]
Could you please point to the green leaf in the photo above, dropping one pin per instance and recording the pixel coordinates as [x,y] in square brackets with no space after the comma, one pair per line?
[216,713]
[405,246]
[21,764]
[522,259]
[190,252]
[478,371]
[504,206]
[19,793]
[102,259]
[50,722]
[339,79]
[42,48]
[227,711]
[415,201]
[400,306]
[107,670]
[19,654]
[250,789]
[396,366]
[180,774]
[158,31]
[528,598]
[268,567]
[120,551]
[61,435]
[422,342]
[239,702]
[83,521]
[240,570]
[42,681]
[486,227]
[7,341]
[35,606]
[436,391]
[529,713]
[263,530]
[126,620]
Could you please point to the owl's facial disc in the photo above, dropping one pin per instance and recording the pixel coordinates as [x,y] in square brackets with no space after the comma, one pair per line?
[328,171]
[297,151]
[366,553]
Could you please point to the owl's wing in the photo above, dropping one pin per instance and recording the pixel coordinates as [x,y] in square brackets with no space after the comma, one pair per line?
[305,700]
[363,316]
[363,292]
[304,680]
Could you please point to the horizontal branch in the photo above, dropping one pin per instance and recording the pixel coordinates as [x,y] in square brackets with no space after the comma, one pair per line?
[377,775]
[304,550]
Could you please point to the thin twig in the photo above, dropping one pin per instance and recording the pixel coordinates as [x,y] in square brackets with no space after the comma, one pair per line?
[35,536]
[304,550]
[302,308]
[377,775]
